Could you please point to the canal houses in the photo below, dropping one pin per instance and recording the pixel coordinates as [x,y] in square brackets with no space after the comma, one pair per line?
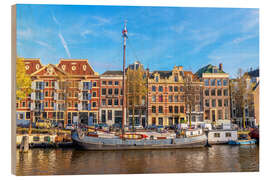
[216,95]
[167,97]
[82,92]
[111,98]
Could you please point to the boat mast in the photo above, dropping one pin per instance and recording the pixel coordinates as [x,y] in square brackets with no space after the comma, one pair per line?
[124,35]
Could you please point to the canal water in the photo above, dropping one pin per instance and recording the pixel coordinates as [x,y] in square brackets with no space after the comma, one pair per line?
[218,158]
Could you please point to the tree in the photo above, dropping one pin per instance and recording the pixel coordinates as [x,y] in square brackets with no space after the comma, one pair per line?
[136,91]
[23,80]
[241,91]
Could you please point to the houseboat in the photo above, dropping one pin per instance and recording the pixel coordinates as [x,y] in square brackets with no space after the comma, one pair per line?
[221,136]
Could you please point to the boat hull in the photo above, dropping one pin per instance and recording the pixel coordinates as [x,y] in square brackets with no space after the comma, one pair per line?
[95,143]
[242,142]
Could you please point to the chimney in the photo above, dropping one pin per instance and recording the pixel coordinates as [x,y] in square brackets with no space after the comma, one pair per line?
[221,67]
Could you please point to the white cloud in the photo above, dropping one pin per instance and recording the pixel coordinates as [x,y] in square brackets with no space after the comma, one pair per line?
[244,38]
[44,44]
[25,34]
[64,44]
[55,20]
[101,20]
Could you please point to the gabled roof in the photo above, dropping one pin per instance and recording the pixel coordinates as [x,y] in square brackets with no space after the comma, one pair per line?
[208,69]
[49,70]
[113,73]
[162,74]
[254,73]
[76,67]
[32,65]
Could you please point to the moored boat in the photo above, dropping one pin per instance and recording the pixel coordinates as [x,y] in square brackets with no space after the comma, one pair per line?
[190,139]
[243,139]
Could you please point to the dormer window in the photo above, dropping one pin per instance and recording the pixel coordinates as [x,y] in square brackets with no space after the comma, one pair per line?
[214,70]
[176,77]
[156,78]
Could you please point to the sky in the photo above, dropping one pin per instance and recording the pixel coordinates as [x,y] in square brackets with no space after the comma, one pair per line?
[159,37]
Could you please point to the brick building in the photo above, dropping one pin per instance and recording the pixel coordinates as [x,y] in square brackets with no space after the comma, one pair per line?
[216,95]
[111,97]
[166,98]
[62,92]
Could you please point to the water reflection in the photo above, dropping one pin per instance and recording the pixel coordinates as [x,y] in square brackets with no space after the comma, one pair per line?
[71,161]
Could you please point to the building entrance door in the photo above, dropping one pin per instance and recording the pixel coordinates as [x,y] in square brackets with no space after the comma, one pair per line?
[83,117]
[143,121]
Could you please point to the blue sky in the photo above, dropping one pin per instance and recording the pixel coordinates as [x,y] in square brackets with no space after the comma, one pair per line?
[159,37]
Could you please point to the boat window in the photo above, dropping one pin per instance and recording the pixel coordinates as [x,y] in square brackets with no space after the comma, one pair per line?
[217,135]
[36,138]
[228,134]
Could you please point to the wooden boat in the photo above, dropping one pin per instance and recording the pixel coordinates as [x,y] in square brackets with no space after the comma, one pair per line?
[243,139]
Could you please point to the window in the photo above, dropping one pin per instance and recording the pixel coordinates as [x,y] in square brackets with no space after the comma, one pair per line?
[181,89]
[206,92]
[213,82]
[109,114]
[160,89]
[207,102]
[213,103]
[103,116]
[225,92]
[170,98]
[181,98]
[160,109]
[219,92]
[94,84]
[220,113]
[228,134]
[103,91]
[23,104]
[226,114]
[176,98]
[47,84]
[220,103]
[110,91]
[175,89]
[94,104]
[182,109]
[29,104]
[160,98]
[207,114]
[226,102]
[27,114]
[109,102]
[170,88]
[110,83]
[116,102]
[104,83]
[103,102]
[46,104]
[160,121]
[116,91]
[217,135]
[53,83]
[219,82]
[175,109]
[116,83]
[154,98]
[206,82]
[121,91]
[170,109]
[153,121]
[153,109]
[176,77]
[154,88]
[225,82]
[94,94]
[156,78]
[213,92]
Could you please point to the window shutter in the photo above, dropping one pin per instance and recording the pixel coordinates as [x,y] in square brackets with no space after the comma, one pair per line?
[42,95]
[89,96]
[42,106]
[89,106]
[90,85]
[56,85]
[80,106]
[80,85]
[33,86]
[54,106]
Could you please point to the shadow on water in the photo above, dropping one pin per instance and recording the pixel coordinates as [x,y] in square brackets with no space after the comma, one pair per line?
[219,158]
